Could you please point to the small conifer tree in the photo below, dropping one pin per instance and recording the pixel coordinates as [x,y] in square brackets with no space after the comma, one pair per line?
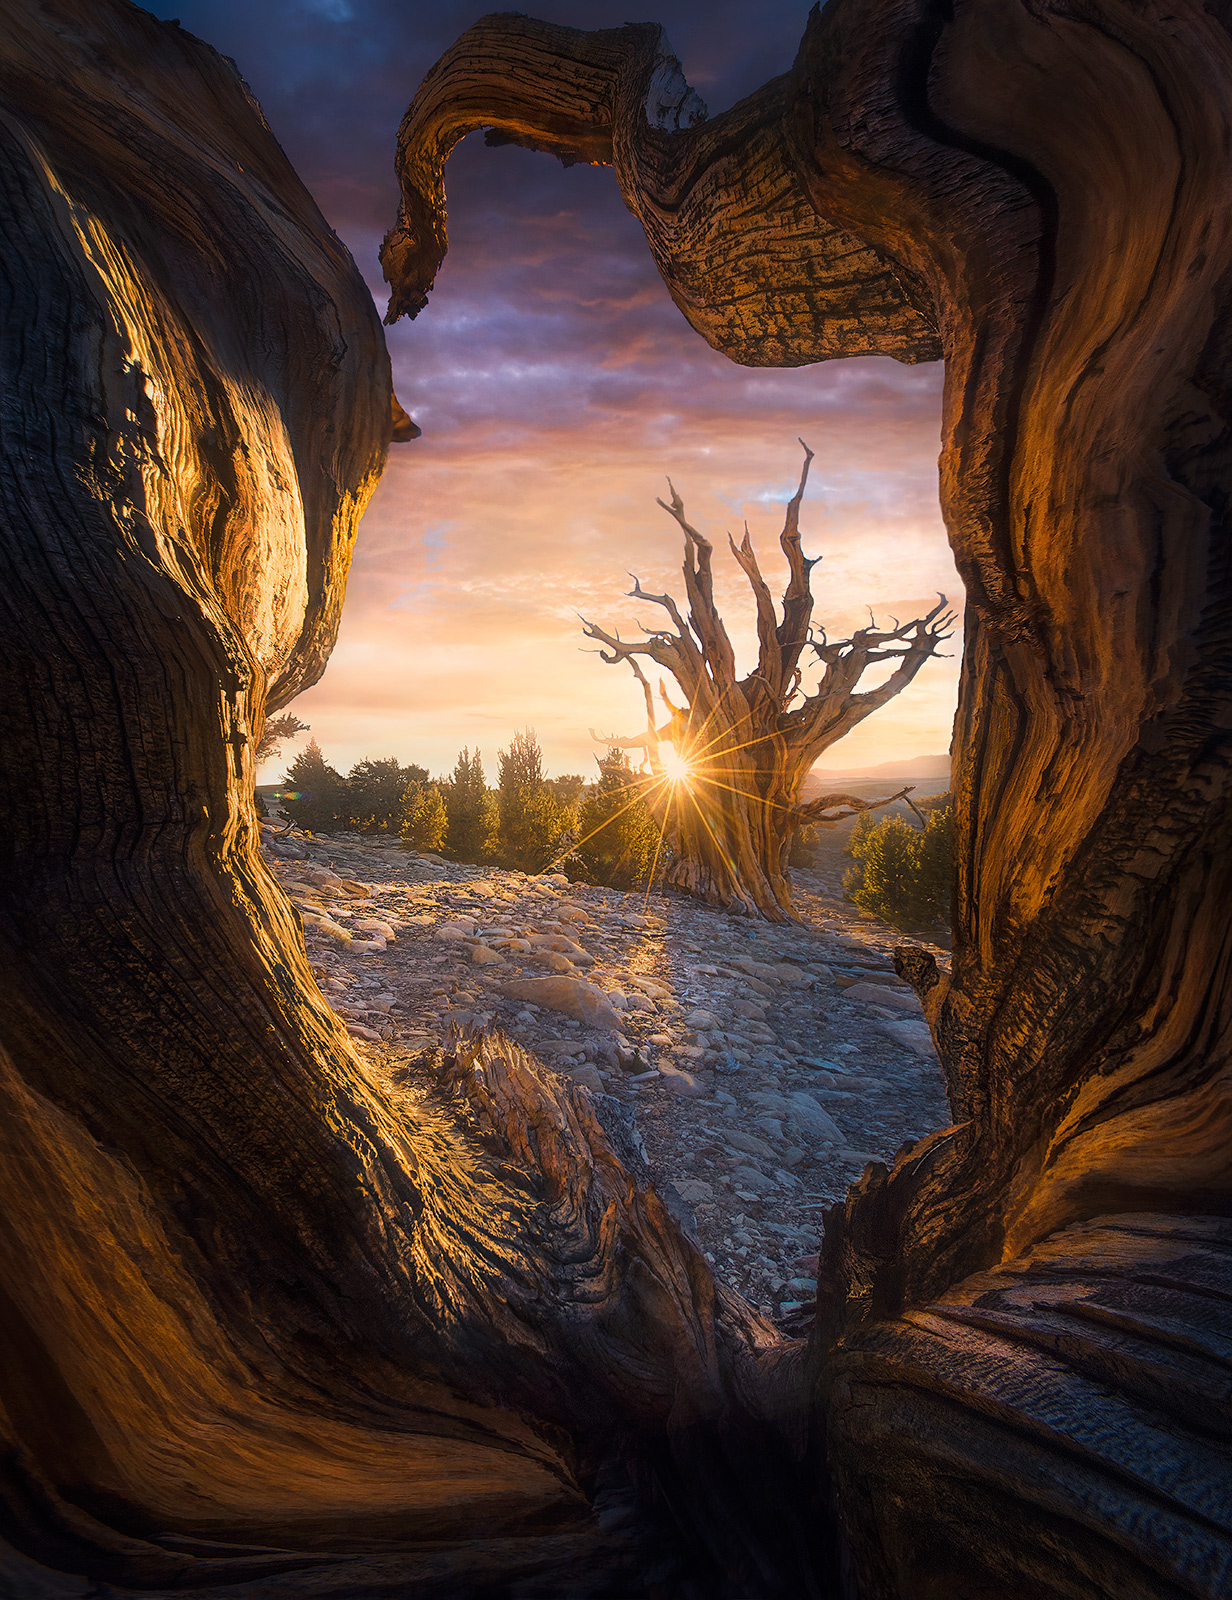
[534,825]
[424,817]
[378,792]
[619,835]
[470,810]
[314,794]
[902,873]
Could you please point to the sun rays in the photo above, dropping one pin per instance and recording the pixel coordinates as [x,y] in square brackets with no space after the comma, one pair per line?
[677,768]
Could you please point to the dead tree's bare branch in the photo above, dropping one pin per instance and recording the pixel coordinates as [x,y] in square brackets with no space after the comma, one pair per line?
[750,742]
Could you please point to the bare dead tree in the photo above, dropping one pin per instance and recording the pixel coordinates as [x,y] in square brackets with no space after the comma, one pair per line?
[744,745]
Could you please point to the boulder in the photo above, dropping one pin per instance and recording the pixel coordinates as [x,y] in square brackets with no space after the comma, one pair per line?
[750,1145]
[572,996]
[682,1085]
[374,925]
[701,1019]
[324,924]
[808,1118]
[556,941]
[481,956]
[911,1033]
[879,994]
[754,1182]
[588,1077]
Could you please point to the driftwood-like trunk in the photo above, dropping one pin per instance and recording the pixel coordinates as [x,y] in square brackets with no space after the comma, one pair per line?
[729,804]
[277,1325]
[1019,1398]
[269,1322]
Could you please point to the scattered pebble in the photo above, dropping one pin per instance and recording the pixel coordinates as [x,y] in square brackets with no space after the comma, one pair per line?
[764,1066]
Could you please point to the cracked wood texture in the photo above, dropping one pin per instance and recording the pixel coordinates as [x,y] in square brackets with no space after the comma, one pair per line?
[1020,1356]
[271,1323]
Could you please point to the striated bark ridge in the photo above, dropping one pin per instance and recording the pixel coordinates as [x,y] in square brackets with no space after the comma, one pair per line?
[1012,1382]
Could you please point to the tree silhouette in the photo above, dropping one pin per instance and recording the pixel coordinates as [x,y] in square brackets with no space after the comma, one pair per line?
[729,799]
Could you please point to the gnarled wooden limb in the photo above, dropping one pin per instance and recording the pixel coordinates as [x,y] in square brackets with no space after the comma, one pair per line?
[1049,181]
[748,259]
[749,745]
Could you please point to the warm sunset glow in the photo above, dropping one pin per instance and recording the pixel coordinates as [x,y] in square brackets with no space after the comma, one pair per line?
[676,767]
[558,386]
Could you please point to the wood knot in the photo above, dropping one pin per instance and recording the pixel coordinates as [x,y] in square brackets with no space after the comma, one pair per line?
[918,967]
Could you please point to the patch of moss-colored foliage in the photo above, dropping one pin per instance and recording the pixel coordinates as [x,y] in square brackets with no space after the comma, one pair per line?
[903,872]
[618,833]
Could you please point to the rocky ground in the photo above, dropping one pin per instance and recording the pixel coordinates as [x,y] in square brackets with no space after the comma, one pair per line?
[763,1066]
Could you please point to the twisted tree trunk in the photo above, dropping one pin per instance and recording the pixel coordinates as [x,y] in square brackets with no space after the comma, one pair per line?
[1038,192]
[729,804]
[270,1322]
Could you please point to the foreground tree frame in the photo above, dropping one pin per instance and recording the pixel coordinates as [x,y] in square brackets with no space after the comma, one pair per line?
[279,1323]
[730,804]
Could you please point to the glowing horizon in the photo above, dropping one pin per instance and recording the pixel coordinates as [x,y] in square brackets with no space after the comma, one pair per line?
[557,387]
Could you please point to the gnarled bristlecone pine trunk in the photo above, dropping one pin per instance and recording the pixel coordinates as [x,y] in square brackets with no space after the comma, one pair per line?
[273,1325]
[1022,1369]
[728,803]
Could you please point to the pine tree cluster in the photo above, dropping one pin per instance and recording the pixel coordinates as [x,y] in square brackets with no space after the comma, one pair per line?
[602,832]
[903,873]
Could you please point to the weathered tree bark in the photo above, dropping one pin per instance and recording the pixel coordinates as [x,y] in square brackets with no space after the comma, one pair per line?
[270,1322]
[729,804]
[1022,1369]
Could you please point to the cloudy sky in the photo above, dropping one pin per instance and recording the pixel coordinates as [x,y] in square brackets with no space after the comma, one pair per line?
[557,386]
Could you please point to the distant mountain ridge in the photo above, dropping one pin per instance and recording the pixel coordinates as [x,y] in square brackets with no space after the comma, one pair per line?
[914,768]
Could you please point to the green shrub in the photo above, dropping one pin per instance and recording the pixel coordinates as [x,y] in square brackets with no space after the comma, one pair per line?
[424,817]
[470,811]
[902,873]
[804,844]
[535,827]
[378,793]
[619,835]
[314,794]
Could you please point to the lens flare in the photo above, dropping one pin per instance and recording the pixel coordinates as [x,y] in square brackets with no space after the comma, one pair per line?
[676,767]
